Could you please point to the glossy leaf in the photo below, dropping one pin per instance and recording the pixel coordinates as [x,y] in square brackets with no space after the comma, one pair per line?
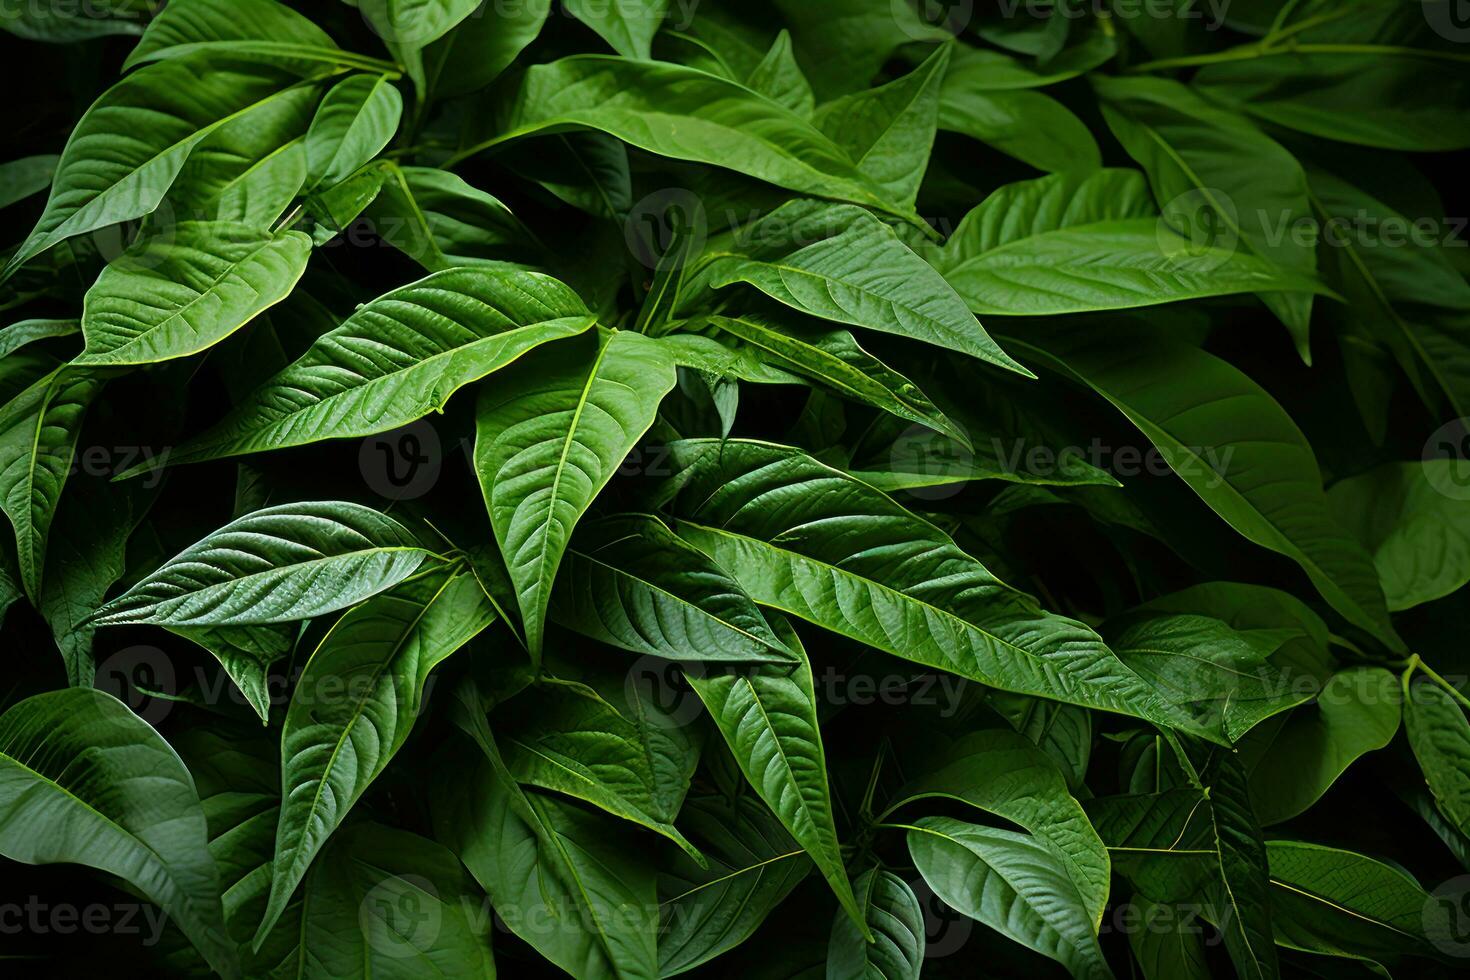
[897,923]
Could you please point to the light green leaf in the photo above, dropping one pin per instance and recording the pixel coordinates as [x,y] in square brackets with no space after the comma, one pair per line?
[549,439]
[356,119]
[1003,773]
[889,130]
[83,780]
[633,583]
[1012,884]
[441,222]
[60,22]
[1263,480]
[186,289]
[840,263]
[768,717]
[397,359]
[1076,242]
[779,78]
[354,707]
[480,47]
[627,25]
[1418,535]
[261,30]
[284,563]
[897,923]
[165,110]
[1294,759]
[1032,127]
[844,556]
[685,114]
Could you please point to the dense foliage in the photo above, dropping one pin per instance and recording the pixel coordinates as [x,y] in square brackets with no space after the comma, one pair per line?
[525,486]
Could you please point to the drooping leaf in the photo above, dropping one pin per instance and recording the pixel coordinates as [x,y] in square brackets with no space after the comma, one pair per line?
[253,29]
[1440,738]
[17,335]
[21,178]
[356,119]
[550,438]
[442,222]
[283,563]
[628,26]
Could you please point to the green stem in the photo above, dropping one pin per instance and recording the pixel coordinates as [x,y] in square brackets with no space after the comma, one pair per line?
[1415,663]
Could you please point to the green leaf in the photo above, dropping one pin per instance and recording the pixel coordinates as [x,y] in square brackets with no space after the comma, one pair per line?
[261,30]
[622,751]
[1440,738]
[397,359]
[889,130]
[277,565]
[39,429]
[550,438]
[628,26]
[185,290]
[840,263]
[441,222]
[246,654]
[1294,759]
[354,707]
[844,556]
[684,114]
[768,717]
[480,47]
[779,78]
[753,865]
[63,23]
[21,178]
[1166,943]
[1034,128]
[1239,894]
[1264,481]
[1012,884]
[633,583]
[1217,674]
[357,118]
[1219,180]
[1418,535]
[1077,242]
[1003,773]
[1338,903]
[897,923]
[83,780]
[552,861]
[165,110]
[835,358]
[17,335]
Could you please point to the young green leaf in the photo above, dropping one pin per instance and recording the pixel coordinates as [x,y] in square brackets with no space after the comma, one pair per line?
[356,119]
[897,923]
[550,438]
[187,289]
